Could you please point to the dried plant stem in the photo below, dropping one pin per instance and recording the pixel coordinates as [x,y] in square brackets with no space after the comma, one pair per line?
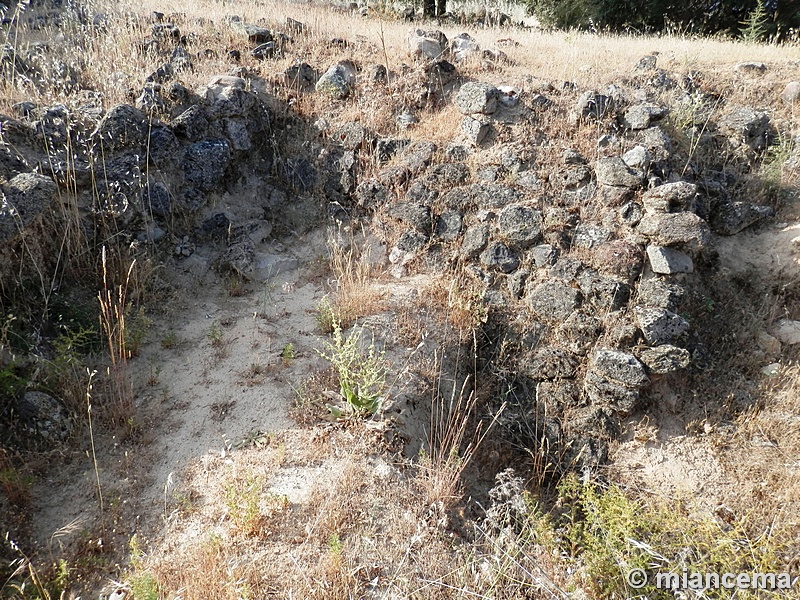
[112,319]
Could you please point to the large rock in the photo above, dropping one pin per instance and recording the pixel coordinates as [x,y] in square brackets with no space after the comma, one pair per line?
[44,417]
[122,128]
[594,105]
[665,359]
[676,229]
[338,81]
[657,293]
[205,163]
[254,34]
[667,261]
[554,300]
[791,93]
[660,326]
[671,197]
[614,172]
[427,45]
[729,218]
[475,240]
[446,176]
[449,225]
[614,379]
[24,198]
[642,116]
[500,257]
[746,126]
[474,98]
[520,225]
[463,47]
[475,130]
[480,196]
[227,96]
[551,363]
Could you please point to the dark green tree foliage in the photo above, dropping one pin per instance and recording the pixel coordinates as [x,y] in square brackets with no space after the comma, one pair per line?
[773,18]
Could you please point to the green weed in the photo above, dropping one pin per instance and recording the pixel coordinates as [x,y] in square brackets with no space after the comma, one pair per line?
[361,372]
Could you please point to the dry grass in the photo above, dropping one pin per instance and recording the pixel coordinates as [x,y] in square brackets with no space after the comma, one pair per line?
[354,292]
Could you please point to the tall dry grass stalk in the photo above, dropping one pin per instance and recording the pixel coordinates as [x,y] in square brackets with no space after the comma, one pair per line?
[353,273]
[452,445]
[121,407]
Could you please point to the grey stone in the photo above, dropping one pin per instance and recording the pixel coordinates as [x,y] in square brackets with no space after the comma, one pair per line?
[427,45]
[550,363]
[660,326]
[265,51]
[637,158]
[122,128]
[614,172]
[573,177]
[43,416]
[253,33]
[23,199]
[387,148]
[237,134]
[475,240]
[671,197]
[672,229]
[590,236]
[11,162]
[646,64]
[520,226]
[481,196]
[449,225]
[594,105]
[579,332]
[463,46]
[475,98]
[658,293]
[338,81]
[751,68]
[516,283]
[619,258]
[377,74]
[559,395]
[614,379]
[657,142]
[604,392]
[747,126]
[554,300]
[620,367]
[191,124]
[791,93]
[642,116]
[418,155]
[157,199]
[567,268]
[604,293]
[631,213]
[412,214]
[544,255]
[729,218]
[474,130]
[665,359]
[500,257]
[204,163]
[350,135]
[301,76]
[371,193]
[667,261]
[412,241]
[227,96]
[446,176]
